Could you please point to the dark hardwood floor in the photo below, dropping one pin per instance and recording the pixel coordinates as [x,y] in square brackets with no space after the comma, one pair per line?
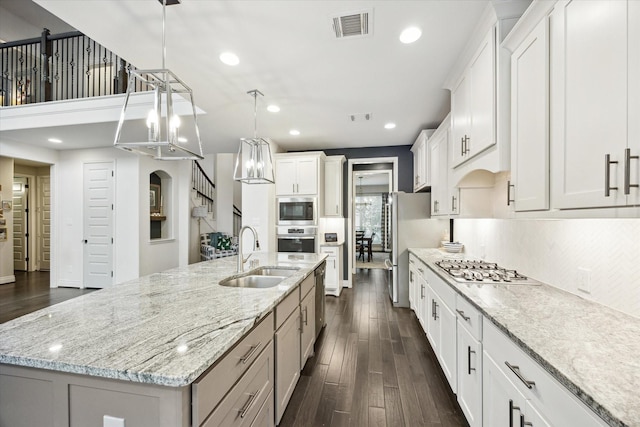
[31,292]
[373,367]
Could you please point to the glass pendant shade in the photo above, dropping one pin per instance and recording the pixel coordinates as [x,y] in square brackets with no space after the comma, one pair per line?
[160,118]
[254,164]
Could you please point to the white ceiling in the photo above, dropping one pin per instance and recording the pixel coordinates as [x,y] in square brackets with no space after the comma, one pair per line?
[288,51]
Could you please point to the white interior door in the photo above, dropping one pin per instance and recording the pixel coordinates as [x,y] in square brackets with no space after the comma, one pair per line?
[98,225]
[44,223]
[20,223]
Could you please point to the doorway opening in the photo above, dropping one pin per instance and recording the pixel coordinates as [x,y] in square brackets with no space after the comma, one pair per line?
[363,167]
[371,219]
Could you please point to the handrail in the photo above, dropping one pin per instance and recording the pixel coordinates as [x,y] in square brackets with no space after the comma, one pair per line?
[202,184]
[59,67]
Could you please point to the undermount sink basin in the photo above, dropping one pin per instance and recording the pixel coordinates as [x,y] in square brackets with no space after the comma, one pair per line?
[253,281]
[275,271]
[261,278]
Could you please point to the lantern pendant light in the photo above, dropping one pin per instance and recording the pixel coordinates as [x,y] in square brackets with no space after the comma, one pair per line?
[254,164]
[159,115]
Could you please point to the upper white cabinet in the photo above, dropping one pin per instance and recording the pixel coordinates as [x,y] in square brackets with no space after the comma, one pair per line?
[528,189]
[595,103]
[445,198]
[421,173]
[333,186]
[473,103]
[297,175]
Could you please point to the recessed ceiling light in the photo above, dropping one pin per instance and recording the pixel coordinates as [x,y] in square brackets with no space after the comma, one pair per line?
[273,108]
[294,132]
[389,125]
[229,58]
[410,35]
[182,139]
[55,140]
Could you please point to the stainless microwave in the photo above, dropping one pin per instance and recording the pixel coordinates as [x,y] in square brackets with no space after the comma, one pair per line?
[297,211]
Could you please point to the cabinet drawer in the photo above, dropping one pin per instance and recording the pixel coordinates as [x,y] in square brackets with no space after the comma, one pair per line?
[469,317]
[557,403]
[211,387]
[306,285]
[242,404]
[287,306]
[265,417]
[442,289]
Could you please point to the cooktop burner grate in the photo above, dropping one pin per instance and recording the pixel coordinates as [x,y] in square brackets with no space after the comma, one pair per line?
[469,271]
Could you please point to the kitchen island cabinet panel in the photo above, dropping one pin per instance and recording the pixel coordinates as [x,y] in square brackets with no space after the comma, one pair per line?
[287,361]
[307,325]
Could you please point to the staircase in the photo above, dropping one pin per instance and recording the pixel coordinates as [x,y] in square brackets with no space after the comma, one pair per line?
[203,195]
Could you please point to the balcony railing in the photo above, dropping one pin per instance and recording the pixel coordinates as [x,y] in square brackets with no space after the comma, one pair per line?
[58,67]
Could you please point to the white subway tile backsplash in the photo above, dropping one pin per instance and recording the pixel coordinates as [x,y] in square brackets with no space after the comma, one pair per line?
[553,250]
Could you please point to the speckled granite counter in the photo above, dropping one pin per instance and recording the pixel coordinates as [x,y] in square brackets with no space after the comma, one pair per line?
[589,348]
[166,328]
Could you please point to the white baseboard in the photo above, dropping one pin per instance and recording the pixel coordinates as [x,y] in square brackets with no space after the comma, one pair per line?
[7,279]
[346,284]
[68,284]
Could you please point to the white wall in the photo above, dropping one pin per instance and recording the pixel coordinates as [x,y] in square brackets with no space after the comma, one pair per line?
[553,250]
[224,192]
[6,248]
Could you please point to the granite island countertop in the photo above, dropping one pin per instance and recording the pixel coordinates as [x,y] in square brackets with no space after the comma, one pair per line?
[165,328]
[589,348]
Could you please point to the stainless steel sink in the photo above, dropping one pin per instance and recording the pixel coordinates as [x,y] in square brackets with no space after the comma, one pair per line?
[265,277]
[276,271]
[253,281]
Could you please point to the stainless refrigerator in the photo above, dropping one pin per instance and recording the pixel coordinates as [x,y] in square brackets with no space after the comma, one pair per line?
[410,227]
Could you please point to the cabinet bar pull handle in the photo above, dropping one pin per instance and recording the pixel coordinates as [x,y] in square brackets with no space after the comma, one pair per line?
[524,423]
[420,270]
[512,407]
[435,310]
[516,370]
[336,208]
[461,313]
[249,354]
[627,171]
[462,146]
[306,317]
[466,144]
[509,199]
[249,404]
[607,174]
[469,351]
[453,203]
[421,291]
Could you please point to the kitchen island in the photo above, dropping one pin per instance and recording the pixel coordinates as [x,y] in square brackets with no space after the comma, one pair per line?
[160,332]
[589,349]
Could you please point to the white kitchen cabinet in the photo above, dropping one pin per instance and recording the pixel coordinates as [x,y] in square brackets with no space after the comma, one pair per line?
[422,298]
[595,64]
[441,325]
[333,186]
[296,175]
[445,198]
[528,189]
[288,344]
[333,272]
[509,373]
[473,103]
[307,325]
[469,376]
[413,283]
[421,173]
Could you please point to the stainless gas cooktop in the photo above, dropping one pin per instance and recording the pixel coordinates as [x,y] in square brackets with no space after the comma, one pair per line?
[464,271]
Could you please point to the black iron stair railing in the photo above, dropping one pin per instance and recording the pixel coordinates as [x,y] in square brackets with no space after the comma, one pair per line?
[203,186]
[59,67]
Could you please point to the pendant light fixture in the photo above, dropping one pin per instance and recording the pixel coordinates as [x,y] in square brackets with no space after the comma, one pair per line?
[159,117]
[254,164]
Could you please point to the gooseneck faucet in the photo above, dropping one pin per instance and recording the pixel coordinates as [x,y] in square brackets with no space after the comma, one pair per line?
[256,246]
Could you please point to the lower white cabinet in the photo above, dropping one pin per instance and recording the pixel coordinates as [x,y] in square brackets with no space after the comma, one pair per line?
[287,361]
[333,271]
[470,376]
[511,378]
[307,325]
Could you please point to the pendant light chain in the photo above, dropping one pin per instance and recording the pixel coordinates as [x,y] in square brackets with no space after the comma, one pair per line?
[164,42]
[255,114]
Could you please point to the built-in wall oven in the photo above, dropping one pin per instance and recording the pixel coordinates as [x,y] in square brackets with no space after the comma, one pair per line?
[298,211]
[297,239]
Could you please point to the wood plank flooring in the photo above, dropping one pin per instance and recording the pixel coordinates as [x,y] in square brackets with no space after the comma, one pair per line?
[373,367]
[31,292]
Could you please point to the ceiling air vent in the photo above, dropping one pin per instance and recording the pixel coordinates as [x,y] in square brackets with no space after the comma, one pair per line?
[355,24]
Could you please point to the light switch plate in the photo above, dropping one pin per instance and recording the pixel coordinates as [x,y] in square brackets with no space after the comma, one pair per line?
[584,280]
[109,421]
